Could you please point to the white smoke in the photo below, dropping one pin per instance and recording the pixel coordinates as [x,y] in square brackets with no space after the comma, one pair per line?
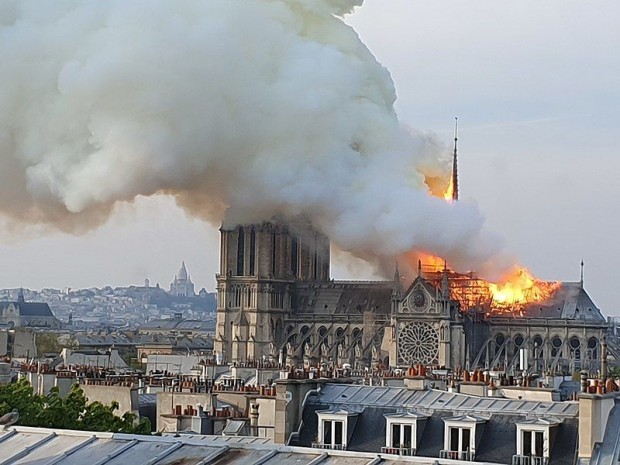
[265,106]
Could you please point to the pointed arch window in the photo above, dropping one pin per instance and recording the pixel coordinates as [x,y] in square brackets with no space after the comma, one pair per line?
[273,254]
[315,263]
[294,256]
[252,252]
[240,251]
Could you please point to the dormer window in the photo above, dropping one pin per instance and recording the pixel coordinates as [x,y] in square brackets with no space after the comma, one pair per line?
[335,427]
[534,438]
[460,437]
[402,432]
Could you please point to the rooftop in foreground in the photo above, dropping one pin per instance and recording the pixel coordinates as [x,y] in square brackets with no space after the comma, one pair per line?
[33,446]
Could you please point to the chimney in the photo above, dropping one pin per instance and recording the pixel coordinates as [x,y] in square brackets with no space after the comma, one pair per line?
[584,381]
[604,358]
[254,419]
[201,422]
[593,415]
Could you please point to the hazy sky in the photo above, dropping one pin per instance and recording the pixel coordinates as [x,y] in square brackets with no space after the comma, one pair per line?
[536,86]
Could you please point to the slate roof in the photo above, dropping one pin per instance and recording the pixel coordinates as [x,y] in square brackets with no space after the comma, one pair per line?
[38,309]
[107,340]
[569,302]
[38,446]
[179,324]
[343,297]
[400,397]
[497,418]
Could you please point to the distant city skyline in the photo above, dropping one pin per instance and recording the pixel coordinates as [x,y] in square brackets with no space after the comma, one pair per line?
[534,86]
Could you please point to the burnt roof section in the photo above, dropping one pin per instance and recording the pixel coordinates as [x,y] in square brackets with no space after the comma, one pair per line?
[569,301]
[343,297]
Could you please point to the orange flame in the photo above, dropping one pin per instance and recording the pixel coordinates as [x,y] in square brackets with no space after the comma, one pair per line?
[520,287]
[449,192]
[510,294]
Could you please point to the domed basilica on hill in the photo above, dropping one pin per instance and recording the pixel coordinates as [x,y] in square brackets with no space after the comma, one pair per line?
[182,286]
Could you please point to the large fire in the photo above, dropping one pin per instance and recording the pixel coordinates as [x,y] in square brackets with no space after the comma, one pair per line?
[507,296]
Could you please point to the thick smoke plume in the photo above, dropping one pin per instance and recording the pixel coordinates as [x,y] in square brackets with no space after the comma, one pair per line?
[269,107]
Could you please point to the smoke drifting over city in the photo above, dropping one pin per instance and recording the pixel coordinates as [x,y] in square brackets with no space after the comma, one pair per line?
[269,107]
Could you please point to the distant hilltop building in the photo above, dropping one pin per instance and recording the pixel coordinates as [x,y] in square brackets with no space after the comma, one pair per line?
[182,285]
[30,314]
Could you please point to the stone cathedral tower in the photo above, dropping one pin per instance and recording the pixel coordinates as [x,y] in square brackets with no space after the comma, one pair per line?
[260,265]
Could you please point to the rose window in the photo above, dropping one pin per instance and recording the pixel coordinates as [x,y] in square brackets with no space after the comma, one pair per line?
[418,343]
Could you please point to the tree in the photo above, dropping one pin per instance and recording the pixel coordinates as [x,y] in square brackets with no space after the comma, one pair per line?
[71,412]
[48,343]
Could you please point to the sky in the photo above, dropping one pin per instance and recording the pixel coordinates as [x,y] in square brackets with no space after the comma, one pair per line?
[536,88]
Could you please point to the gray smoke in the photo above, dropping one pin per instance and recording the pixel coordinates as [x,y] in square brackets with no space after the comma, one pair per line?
[269,107]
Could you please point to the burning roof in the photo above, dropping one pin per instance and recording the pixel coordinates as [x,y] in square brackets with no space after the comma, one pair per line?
[518,295]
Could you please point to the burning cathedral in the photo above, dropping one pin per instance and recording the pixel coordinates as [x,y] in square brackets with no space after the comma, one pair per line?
[277,302]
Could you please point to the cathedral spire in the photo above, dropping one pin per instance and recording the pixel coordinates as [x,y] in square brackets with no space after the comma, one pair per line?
[445,283]
[455,172]
[397,287]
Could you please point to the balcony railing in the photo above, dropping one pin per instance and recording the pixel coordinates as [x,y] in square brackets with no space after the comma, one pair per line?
[464,455]
[318,445]
[529,460]
[398,450]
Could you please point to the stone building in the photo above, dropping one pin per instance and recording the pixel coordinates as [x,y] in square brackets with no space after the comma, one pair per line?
[27,314]
[182,285]
[276,302]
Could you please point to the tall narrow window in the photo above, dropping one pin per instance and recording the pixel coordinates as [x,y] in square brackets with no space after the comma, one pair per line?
[402,435]
[532,443]
[252,252]
[327,432]
[294,258]
[273,254]
[527,443]
[454,439]
[460,439]
[338,433]
[240,251]
[315,262]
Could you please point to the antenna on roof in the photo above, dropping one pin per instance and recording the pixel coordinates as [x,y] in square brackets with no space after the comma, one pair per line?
[581,275]
[455,172]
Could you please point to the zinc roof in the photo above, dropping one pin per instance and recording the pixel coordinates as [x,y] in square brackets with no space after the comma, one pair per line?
[400,397]
[38,446]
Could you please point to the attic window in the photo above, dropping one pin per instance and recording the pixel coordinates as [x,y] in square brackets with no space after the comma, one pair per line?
[460,438]
[534,440]
[401,433]
[334,429]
